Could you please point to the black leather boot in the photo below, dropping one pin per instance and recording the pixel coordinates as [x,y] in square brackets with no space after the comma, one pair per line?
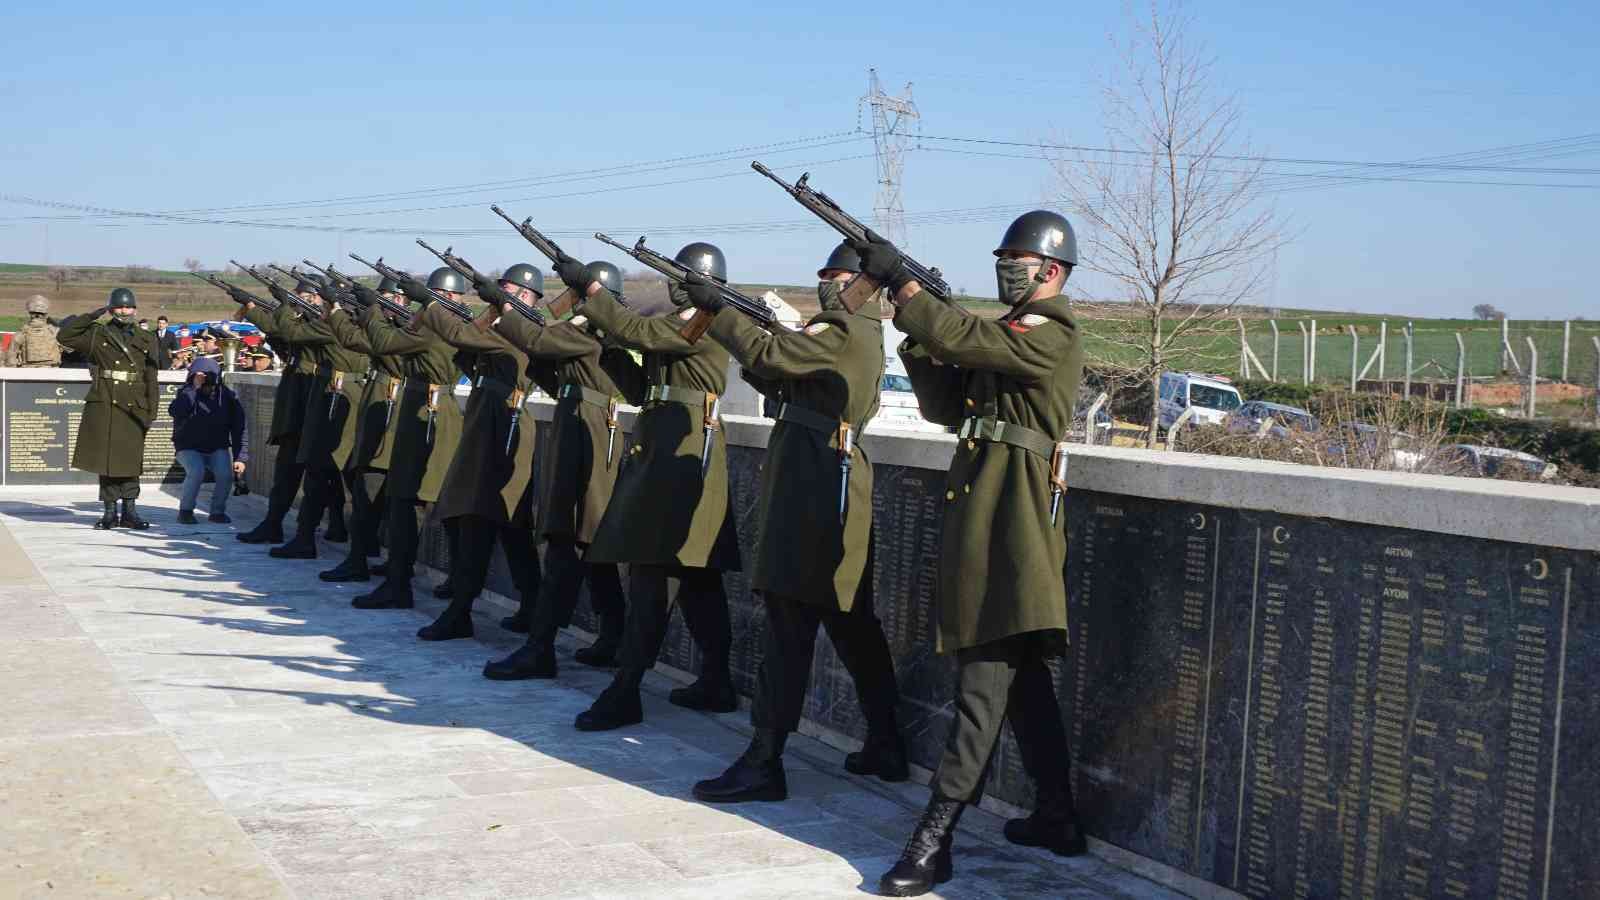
[442,590]
[268,532]
[387,595]
[535,659]
[883,755]
[712,692]
[519,621]
[1053,825]
[130,516]
[756,775]
[617,705]
[354,568]
[186,517]
[301,546]
[336,532]
[925,861]
[379,569]
[108,521]
[455,622]
[602,654]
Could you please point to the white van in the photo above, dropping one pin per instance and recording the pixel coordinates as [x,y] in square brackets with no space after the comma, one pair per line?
[897,405]
[1212,397]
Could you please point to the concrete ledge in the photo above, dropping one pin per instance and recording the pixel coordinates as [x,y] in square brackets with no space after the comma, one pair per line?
[19,374]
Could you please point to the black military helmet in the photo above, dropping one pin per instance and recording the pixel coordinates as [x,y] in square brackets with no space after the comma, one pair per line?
[445,278]
[1044,233]
[525,275]
[609,276]
[843,257]
[707,259]
[387,285]
[122,297]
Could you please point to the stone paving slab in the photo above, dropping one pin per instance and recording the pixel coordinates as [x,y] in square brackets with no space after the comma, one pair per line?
[189,717]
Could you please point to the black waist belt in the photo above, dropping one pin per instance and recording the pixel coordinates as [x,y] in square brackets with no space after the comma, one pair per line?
[585,395]
[493,384]
[1000,432]
[807,418]
[122,375]
[665,393]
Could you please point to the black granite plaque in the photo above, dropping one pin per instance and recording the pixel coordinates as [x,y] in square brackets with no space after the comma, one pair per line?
[41,427]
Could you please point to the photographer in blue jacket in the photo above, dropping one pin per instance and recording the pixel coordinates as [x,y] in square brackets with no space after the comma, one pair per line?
[208,433]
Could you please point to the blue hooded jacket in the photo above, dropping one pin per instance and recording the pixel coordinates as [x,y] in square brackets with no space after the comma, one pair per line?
[208,418]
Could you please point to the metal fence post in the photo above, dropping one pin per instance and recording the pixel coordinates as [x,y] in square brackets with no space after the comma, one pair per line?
[1409,329]
[1383,347]
[1596,340]
[1461,371]
[1533,378]
[1505,343]
[1244,351]
[1305,353]
[1274,324]
[1313,352]
[1355,357]
[1566,347]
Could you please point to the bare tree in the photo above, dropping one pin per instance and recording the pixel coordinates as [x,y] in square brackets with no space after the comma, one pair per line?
[1487,312]
[58,276]
[192,264]
[1172,217]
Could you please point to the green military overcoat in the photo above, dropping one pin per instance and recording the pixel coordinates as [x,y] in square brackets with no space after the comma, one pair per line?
[374,412]
[834,368]
[289,397]
[576,478]
[119,408]
[426,416]
[491,474]
[663,511]
[329,434]
[1001,563]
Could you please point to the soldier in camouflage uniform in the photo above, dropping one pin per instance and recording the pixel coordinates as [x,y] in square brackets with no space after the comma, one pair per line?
[427,431]
[488,491]
[671,514]
[120,405]
[1009,386]
[35,345]
[813,563]
[577,475]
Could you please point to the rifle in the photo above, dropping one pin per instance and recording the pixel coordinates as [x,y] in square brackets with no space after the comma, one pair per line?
[465,270]
[399,311]
[278,291]
[234,292]
[328,292]
[860,288]
[563,304]
[677,272]
[459,310]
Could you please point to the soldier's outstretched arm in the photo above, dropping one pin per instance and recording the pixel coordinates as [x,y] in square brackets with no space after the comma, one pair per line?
[349,335]
[656,334]
[301,331]
[954,338]
[387,338]
[940,389]
[75,335]
[458,334]
[779,354]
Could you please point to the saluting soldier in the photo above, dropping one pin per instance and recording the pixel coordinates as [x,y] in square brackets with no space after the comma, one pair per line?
[120,405]
[671,514]
[1009,385]
[365,472]
[427,431]
[488,491]
[289,401]
[329,428]
[813,561]
[577,475]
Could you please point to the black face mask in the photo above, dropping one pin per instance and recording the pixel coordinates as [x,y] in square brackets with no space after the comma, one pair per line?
[830,294]
[1016,285]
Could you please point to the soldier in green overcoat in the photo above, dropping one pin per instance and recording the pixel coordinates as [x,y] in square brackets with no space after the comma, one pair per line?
[366,469]
[427,431]
[288,416]
[1009,386]
[488,490]
[120,405]
[814,550]
[671,514]
[576,478]
[329,428]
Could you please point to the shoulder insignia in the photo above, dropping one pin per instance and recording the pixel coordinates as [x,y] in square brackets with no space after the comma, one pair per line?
[1032,319]
[688,313]
[579,320]
[817,328]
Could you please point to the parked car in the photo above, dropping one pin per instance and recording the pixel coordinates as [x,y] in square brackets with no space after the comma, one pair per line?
[1365,446]
[1488,462]
[1212,397]
[1102,416]
[897,405]
[1275,420]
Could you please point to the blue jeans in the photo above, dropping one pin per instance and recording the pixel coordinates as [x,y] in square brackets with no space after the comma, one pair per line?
[195,463]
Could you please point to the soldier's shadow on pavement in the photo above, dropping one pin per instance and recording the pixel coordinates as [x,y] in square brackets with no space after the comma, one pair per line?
[394,677]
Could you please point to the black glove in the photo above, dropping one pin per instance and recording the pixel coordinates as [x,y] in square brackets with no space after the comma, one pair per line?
[574,273]
[495,295]
[367,296]
[881,261]
[416,290]
[703,293]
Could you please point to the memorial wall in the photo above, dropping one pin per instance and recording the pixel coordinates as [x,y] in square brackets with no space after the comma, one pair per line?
[39,414]
[1284,681]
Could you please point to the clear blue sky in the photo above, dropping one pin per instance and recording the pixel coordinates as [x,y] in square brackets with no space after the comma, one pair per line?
[149,108]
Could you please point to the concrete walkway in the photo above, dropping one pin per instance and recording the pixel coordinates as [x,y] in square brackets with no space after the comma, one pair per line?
[187,718]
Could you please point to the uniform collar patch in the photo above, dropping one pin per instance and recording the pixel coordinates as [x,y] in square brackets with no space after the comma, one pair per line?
[817,327]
